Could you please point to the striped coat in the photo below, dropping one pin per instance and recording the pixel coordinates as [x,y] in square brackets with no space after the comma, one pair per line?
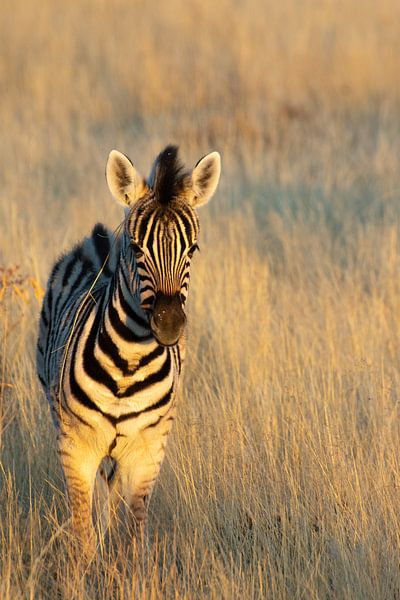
[111,336]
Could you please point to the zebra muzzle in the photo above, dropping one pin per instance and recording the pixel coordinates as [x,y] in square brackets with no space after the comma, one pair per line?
[168,319]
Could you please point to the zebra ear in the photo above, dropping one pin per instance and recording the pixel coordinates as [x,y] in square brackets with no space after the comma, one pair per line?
[124,181]
[205,178]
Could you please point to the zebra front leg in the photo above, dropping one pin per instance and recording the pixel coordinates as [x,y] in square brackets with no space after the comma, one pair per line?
[80,464]
[139,459]
[130,496]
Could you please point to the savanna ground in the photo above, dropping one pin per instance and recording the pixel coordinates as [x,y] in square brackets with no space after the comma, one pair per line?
[282,478]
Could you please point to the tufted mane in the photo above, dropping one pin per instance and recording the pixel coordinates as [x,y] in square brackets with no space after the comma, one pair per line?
[170,178]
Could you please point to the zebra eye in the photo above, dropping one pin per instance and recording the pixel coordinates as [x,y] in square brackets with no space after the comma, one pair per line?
[137,250]
[192,250]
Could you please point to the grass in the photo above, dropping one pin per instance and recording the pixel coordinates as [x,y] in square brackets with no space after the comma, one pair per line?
[282,474]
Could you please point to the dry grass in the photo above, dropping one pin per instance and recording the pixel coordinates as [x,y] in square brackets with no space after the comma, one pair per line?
[282,477]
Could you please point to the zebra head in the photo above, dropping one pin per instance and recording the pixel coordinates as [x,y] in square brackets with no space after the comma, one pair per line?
[161,230]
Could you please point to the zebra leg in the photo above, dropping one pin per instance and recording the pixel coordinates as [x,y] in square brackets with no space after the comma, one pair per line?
[80,463]
[139,460]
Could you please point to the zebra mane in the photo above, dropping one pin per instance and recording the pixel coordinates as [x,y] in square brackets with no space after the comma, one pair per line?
[170,178]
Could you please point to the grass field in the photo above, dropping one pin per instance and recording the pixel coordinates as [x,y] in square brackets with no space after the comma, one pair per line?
[282,478]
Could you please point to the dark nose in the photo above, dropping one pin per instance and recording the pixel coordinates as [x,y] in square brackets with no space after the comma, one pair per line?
[168,319]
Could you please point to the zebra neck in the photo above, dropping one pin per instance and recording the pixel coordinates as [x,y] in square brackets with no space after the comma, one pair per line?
[122,310]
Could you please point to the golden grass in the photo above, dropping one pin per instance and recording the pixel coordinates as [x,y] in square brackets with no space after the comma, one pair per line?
[282,476]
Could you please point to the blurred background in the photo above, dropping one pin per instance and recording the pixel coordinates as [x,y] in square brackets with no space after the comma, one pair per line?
[295,95]
[282,478]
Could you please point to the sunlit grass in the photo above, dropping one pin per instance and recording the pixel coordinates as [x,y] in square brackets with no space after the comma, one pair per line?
[282,473]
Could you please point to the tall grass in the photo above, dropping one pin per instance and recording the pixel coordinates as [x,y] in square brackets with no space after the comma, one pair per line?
[282,474]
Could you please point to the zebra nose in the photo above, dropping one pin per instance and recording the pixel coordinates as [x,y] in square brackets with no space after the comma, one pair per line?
[168,319]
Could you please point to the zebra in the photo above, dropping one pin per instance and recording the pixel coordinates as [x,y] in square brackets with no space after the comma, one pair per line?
[111,341]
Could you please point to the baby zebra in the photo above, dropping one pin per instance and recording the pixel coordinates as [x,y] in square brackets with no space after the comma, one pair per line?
[111,339]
